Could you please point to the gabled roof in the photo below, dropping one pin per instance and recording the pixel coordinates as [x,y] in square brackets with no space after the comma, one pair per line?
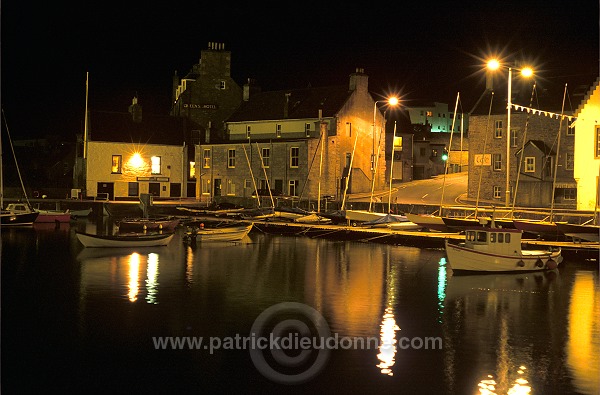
[301,103]
[587,96]
[540,145]
[119,127]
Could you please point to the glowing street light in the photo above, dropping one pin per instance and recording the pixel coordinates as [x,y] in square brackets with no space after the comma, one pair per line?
[390,102]
[494,64]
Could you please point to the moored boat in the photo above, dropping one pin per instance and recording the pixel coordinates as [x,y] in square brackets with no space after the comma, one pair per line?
[8,218]
[429,221]
[124,240]
[167,224]
[545,230]
[585,232]
[225,232]
[492,249]
[45,216]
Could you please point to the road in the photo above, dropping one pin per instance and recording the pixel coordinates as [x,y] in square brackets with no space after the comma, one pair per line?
[454,187]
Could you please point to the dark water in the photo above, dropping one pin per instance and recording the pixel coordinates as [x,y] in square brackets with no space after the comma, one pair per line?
[78,320]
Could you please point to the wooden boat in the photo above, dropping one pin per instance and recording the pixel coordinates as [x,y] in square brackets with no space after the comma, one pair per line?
[580,232]
[140,224]
[227,232]
[545,230]
[492,249]
[124,240]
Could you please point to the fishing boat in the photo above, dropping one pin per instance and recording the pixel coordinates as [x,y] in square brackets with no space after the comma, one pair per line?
[124,240]
[492,249]
[223,232]
[140,224]
[586,232]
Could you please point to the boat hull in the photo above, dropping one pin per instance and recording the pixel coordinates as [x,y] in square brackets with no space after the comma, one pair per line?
[89,240]
[581,232]
[467,259]
[226,233]
[18,219]
[431,222]
[45,218]
[148,224]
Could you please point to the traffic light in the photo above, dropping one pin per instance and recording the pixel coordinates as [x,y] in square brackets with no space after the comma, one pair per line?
[445,155]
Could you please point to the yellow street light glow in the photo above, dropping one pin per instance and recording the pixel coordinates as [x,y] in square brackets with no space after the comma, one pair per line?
[527,72]
[393,101]
[493,64]
[136,160]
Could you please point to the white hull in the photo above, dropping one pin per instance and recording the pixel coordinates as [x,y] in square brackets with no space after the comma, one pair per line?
[362,215]
[462,258]
[408,225]
[221,234]
[124,241]
[431,222]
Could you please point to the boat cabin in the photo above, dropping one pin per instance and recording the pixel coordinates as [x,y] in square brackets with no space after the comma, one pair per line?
[494,240]
[18,208]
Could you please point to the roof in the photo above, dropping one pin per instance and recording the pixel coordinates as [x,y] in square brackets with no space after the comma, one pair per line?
[302,103]
[542,146]
[119,127]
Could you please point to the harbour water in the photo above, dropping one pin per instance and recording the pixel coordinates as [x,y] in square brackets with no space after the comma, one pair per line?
[395,319]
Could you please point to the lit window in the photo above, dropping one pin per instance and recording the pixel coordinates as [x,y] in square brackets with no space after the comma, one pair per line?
[155,160]
[117,161]
[231,158]
[206,158]
[192,170]
[530,164]
[294,157]
[266,156]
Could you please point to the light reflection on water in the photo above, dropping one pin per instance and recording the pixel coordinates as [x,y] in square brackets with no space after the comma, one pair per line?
[501,333]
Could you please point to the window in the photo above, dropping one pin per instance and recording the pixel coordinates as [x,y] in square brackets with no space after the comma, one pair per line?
[192,170]
[248,132]
[307,129]
[206,158]
[507,238]
[247,183]
[513,138]
[117,162]
[155,161]
[293,188]
[230,187]
[266,155]
[133,189]
[497,192]
[497,161]
[205,186]
[231,158]
[500,237]
[498,129]
[294,157]
[492,237]
[482,237]
[570,193]
[222,85]
[570,161]
[571,129]
[278,130]
[597,153]
[348,129]
[530,164]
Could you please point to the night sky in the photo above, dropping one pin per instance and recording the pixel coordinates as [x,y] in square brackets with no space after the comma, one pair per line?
[420,50]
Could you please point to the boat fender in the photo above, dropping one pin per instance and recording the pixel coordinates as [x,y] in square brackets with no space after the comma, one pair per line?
[520,263]
[539,263]
[160,226]
[551,264]
[201,225]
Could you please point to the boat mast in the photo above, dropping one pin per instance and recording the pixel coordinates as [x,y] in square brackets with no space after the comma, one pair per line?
[15,157]
[449,148]
[262,164]
[320,165]
[349,173]
[562,112]
[391,172]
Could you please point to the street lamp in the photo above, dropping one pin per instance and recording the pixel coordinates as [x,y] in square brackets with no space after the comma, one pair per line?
[494,64]
[391,101]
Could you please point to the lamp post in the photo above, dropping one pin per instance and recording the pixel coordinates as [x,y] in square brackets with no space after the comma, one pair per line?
[526,72]
[392,101]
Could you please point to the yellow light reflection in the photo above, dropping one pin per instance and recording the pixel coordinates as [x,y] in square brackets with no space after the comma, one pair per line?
[152,279]
[387,347]
[520,386]
[582,347]
[134,267]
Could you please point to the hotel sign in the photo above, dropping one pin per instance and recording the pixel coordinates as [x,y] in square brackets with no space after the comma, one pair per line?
[483,160]
[156,179]
[201,106]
